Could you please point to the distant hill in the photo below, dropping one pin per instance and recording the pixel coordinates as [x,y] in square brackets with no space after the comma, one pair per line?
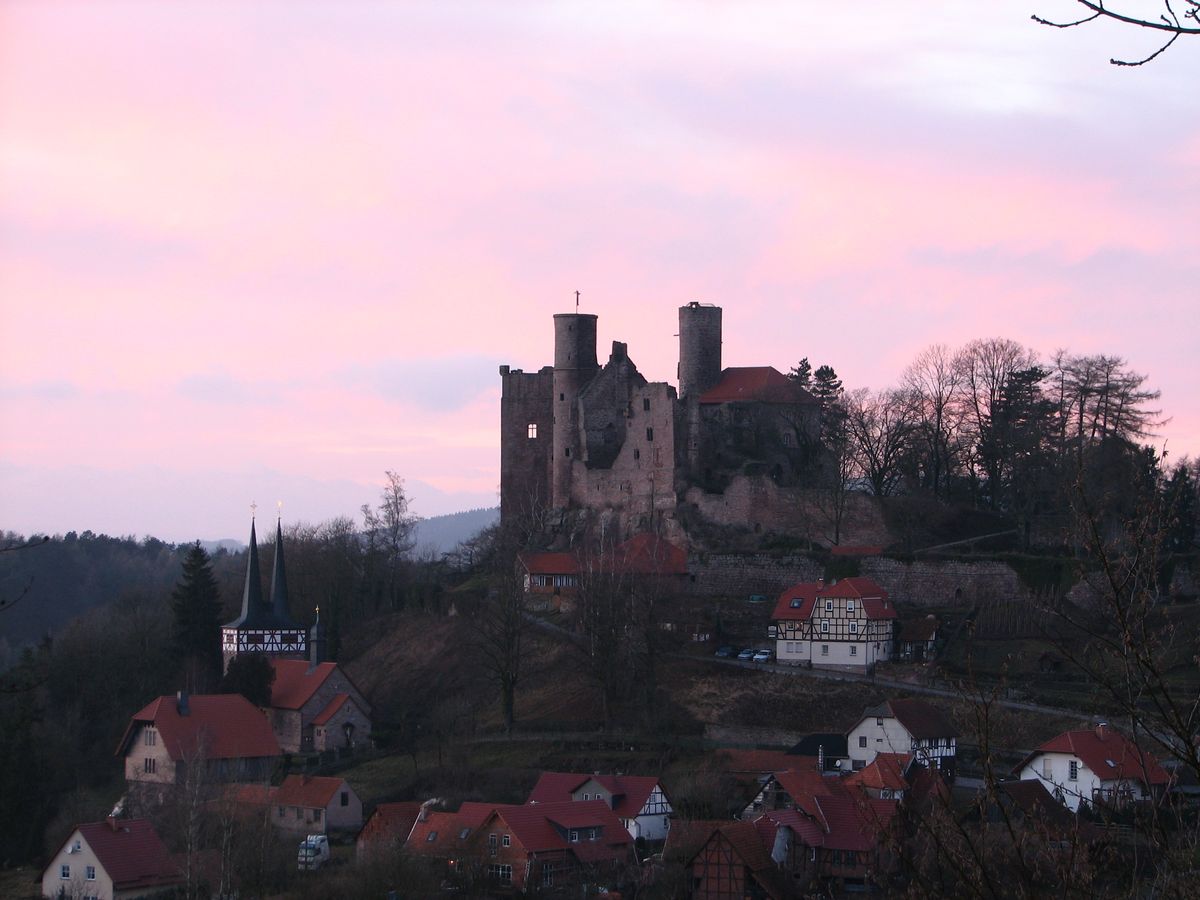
[442,534]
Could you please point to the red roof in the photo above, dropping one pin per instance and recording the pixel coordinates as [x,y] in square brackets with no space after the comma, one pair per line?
[798,602]
[310,791]
[1108,753]
[546,826]
[806,828]
[884,773]
[918,630]
[218,726]
[296,680]
[546,563]
[330,708]
[649,554]
[390,822]
[132,854]
[629,792]
[443,834]
[764,384]
[919,719]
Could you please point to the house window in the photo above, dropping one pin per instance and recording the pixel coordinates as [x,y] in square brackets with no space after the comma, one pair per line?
[281,812]
[787,438]
[574,836]
[431,837]
[64,871]
[500,872]
[824,626]
[1073,770]
[824,649]
[646,404]
[316,815]
[587,796]
[854,650]
[531,430]
[649,434]
[151,737]
[862,740]
[849,606]
[854,628]
[91,873]
[462,835]
[812,854]
[149,765]
[828,606]
[506,841]
[345,798]
[879,722]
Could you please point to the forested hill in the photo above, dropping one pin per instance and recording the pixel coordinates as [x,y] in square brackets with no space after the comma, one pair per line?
[441,534]
[49,582]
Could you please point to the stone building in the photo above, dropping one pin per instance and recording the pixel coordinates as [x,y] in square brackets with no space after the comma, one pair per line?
[733,444]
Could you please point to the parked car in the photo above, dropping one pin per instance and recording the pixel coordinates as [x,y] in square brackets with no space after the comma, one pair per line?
[747,654]
[313,853]
[764,656]
[726,652]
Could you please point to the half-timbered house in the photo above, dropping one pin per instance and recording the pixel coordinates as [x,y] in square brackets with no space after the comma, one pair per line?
[847,624]
[639,801]
[905,726]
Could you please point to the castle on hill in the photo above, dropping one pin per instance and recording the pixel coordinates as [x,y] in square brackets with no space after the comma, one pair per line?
[730,446]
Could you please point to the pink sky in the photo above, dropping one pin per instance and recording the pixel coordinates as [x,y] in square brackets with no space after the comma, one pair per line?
[268,250]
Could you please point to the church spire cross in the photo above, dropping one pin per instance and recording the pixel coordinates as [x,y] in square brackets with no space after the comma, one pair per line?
[253,508]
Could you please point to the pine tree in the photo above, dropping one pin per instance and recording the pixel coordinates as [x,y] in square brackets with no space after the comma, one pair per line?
[826,386]
[801,373]
[196,607]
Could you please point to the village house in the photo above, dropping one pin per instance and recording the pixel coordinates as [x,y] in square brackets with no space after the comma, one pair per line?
[916,639]
[386,829]
[732,862]
[639,801]
[886,777]
[548,845]
[444,836]
[908,726]
[1096,766]
[550,580]
[226,734]
[111,860]
[307,804]
[846,624]
[316,707]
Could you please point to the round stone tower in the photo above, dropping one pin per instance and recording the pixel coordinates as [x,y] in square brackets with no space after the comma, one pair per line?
[574,366]
[699,348]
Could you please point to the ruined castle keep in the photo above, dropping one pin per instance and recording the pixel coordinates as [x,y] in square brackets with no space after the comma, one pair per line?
[732,446]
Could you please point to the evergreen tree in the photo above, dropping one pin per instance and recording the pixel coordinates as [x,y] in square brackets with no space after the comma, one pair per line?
[801,373]
[251,675]
[1181,506]
[826,386]
[196,607]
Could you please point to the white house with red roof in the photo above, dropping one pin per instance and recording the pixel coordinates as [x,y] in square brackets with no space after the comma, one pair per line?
[111,860]
[639,801]
[309,804]
[315,707]
[908,726]
[846,624]
[1098,765]
[225,733]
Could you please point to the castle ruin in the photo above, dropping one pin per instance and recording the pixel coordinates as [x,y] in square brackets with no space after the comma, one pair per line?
[731,446]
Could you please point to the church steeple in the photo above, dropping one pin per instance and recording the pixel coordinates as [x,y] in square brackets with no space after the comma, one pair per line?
[252,593]
[279,591]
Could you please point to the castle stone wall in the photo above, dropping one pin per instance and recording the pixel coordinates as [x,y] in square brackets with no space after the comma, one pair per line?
[525,400]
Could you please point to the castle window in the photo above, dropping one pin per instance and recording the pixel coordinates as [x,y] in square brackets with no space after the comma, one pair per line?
[568,451]
[646,404]
[149,765]
[637,454]
[531,430]
[562,396]
[649,434]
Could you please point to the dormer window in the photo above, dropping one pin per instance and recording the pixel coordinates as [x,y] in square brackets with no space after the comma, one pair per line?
[796,603]
[574,836]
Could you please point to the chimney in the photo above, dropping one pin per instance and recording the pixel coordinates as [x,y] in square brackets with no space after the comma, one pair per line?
[181,703]
[112,823]
[1101,730]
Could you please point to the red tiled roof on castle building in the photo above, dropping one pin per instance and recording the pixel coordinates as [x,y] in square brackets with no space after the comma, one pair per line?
[764,384]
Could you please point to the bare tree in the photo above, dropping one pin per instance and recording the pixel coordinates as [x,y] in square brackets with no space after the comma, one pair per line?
[931,387]
[1168,21]
[500,636]
[880,428]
